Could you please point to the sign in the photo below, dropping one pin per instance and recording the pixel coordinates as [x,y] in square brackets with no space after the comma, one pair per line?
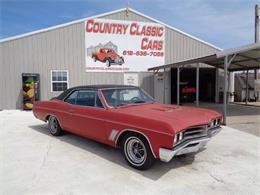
[131,79]
[121,46]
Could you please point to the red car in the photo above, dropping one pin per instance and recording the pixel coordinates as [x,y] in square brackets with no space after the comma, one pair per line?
[127,118]
[108,56]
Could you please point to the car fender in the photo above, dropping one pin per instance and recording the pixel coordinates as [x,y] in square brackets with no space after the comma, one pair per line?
[153,138]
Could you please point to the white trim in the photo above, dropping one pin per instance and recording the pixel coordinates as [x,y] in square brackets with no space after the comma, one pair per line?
[59,81]
[105,14]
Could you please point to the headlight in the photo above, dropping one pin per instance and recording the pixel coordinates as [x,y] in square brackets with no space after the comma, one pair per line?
[178,137]
[214,123]
[211,124]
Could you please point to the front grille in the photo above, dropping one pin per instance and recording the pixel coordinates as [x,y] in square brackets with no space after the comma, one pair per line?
[194,132]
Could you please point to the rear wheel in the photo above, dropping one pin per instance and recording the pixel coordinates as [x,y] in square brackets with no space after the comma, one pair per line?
[137,151]
[54,126]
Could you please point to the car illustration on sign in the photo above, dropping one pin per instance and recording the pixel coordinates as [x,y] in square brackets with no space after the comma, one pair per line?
[126,117]
[108,56]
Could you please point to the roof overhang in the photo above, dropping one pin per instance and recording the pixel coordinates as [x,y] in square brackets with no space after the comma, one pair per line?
[243,58]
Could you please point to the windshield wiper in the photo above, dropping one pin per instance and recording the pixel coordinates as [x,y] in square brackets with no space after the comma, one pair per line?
[139,101]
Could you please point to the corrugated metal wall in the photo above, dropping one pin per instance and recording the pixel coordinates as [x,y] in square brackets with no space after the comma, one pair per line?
[64,49]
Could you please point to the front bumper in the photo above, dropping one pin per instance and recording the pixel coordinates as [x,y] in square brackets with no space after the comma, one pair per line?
[187,146]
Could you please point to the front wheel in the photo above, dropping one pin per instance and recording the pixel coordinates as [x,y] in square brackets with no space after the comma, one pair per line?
[122,60]
[54,126]
[108,63]
[137,151]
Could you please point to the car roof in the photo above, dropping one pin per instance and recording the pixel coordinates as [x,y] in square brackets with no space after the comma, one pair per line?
[104,86]
[91,87]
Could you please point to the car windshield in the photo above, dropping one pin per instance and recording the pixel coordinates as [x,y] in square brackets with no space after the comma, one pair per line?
[125,96]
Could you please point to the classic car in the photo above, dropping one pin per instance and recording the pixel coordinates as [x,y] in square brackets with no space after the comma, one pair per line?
[108,56]
[126,117]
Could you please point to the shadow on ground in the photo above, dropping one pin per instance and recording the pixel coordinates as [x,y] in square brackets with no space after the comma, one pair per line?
[115,156]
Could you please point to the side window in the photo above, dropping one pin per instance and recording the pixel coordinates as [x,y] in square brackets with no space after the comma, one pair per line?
[72,99]
[86,98]
[98,102]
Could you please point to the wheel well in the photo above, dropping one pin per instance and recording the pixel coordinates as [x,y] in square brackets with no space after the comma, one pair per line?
[122,135]
[47,117]
[108,58]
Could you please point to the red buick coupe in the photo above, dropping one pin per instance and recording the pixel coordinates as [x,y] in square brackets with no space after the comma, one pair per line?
[128,118]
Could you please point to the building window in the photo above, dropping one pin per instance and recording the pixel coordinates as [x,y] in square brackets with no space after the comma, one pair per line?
[59,80]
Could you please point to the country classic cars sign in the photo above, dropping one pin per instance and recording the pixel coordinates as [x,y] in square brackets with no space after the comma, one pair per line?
[122,46]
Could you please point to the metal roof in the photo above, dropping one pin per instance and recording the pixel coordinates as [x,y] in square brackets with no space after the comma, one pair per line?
[106,14]
[244,58]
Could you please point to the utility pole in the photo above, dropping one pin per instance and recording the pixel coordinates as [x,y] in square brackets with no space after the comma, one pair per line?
[257,13]
[127,8]
[257,10]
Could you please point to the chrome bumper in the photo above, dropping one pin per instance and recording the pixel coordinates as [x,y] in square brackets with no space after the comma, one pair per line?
[188,146]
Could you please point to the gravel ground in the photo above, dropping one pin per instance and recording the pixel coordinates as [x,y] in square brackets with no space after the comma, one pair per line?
[34,162]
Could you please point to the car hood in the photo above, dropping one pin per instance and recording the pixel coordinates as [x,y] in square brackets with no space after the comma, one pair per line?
[178,117]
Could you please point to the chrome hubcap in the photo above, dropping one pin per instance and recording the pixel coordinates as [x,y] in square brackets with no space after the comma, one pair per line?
[53,124]
[135,151]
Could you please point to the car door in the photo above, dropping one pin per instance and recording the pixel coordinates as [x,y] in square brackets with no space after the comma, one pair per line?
[87,115]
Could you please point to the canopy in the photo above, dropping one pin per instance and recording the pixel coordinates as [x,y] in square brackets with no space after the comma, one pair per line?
[243,58]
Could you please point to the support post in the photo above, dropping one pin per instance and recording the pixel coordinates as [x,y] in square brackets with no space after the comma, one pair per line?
[197,84]
[164,77]
[228,87]
[225,91]
[246,86]
[178,86]
[217,86]
[231,86]
[227,62]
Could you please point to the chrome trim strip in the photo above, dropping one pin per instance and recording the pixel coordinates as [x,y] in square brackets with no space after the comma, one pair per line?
[112,135]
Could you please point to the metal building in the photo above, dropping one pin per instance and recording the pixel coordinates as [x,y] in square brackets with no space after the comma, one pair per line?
[62,48]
